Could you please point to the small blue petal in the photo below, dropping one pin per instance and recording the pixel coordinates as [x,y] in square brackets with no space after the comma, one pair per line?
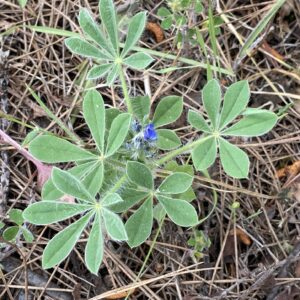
[150,133]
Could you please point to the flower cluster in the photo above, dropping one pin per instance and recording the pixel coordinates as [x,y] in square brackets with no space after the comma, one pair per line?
[143,143]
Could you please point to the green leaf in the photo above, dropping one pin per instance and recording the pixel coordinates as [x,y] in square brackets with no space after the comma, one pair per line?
[159,212]
[92,30]
[211,95]
[234,161]
[197,121]
[109,20]
[130,197]
[51,149]
[253,124]
[50,192]
[94,179]
[95,247]
[10,233]
[111,199]
[139,225]
[176,183]
[22,3]
[15,215]
[112,75]
[189,195]
[168,110]
[114,225]
[28,236]
[134,32]
[31,136]
[167,139]
[141,107]
[180,20]
[235,101]
[198,7]
[118,132]
[111,114]
[180,212]
[70,185]
[85,49]
[139,174]
[167,23]
[99,71]
[259,28]
[47,212]
[163,12]
[94,115]
[62,244]
[173,166]
[204,155]
[2,225]
[138,61]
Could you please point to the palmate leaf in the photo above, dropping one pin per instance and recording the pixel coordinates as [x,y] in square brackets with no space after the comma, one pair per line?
[180,212]
[134,32]
[204,155]
[62,244]
[211,95]
[253,124]
[70,185]
[85,49]
[138,61]
[167,139]
[114,225]
[51,149]
[139,174]
[94,249]
[47,212]
[118,132]
[94,115]
[92,30]
[168,110]
[234,161]
[176,183]
[235,101]
[139,225]
[109,20]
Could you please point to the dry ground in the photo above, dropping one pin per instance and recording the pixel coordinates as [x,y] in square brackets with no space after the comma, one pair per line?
[269,214]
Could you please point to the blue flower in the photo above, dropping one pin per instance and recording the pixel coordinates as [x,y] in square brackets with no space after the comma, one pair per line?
[150,134]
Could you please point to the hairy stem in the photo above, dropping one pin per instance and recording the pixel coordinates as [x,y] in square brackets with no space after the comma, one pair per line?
[125,89]
[181,150]
[44,171]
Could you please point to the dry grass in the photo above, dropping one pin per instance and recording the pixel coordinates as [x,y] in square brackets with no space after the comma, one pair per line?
[269,211]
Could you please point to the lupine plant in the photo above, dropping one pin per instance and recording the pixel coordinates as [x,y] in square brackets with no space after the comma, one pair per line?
[132,169]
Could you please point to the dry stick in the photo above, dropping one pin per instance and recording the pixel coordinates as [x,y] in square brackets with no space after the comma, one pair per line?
[35,280]
[4,179]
